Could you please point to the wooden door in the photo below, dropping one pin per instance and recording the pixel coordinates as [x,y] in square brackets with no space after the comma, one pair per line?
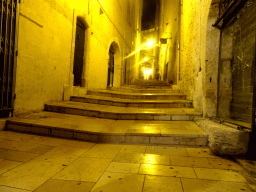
[79,53]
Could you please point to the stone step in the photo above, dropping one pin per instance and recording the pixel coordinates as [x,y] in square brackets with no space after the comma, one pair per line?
[123,113]
[147,86]
[150,82]
[150,86]
[138,96]
[179,133]
[94,99]
[134,89]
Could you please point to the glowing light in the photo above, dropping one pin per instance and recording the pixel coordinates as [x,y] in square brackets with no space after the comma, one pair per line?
[147,72]
[133,53]
[145,59]
[151,43]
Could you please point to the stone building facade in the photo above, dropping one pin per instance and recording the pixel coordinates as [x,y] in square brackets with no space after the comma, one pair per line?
[46,37]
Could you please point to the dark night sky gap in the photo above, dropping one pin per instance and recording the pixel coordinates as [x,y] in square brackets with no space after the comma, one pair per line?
[148,16]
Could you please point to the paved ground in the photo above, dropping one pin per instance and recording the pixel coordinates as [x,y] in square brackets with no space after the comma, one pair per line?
[41,164]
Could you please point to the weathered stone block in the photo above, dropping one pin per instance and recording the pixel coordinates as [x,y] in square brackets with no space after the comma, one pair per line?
[16,127]
[111,139]
[2,124]
[38,130]
[86,136]
[164,140]
[144,117]
[180,118]
[136,140]
[162,117]
[224,140]
[126,116]
[62,133]
[67,92]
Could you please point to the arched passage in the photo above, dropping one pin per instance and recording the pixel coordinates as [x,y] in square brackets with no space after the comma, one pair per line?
[114,66]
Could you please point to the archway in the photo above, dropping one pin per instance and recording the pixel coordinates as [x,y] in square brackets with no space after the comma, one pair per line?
[79,53]
[114,66]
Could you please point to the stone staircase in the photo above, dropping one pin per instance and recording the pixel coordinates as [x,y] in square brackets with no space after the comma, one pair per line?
[141,83]
[144,113]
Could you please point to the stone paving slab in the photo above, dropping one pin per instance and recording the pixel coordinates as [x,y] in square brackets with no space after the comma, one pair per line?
[115,167]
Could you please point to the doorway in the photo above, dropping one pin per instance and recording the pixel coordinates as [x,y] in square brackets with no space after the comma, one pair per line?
[111,65]
[79,53]
[166,72]
[7,55]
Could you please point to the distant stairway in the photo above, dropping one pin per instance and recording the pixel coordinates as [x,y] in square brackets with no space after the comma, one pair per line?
[111,116]
[141,83]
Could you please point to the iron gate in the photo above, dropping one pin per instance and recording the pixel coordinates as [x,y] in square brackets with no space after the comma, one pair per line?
[7,37]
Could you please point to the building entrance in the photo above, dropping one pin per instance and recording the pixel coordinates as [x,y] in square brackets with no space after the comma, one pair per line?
[111,64]
[79,53]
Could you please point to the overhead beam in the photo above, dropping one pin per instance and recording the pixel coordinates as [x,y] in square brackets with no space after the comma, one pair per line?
[233,8]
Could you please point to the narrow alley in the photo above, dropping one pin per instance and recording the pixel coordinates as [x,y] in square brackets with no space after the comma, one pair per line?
[127,95]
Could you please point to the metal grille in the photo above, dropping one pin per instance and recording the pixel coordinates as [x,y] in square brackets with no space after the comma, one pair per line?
[7,38]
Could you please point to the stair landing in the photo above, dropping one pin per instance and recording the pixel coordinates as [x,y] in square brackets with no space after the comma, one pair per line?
[184,133]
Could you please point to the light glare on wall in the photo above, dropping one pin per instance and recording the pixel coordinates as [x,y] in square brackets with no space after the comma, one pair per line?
[150,43]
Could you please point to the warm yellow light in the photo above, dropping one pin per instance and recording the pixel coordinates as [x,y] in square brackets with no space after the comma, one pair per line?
[145,59]
[147,72]
[151,43]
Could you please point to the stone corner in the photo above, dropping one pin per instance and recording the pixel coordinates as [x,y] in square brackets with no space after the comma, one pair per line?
[224,140]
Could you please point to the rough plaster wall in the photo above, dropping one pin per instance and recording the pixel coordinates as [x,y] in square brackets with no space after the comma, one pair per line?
[112,25]
[211,64]
[46,45]
[44,53]
[193,42]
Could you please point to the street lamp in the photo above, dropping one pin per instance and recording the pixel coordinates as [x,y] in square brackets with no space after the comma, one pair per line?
[151,43]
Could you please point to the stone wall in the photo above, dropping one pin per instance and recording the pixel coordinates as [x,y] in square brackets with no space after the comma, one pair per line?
[225,74]
[235,67]
[210,75]
[194,16]
[170,29]
[44,47]
[46,42]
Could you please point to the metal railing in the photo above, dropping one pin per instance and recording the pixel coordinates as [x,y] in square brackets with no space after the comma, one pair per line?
[8,10]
